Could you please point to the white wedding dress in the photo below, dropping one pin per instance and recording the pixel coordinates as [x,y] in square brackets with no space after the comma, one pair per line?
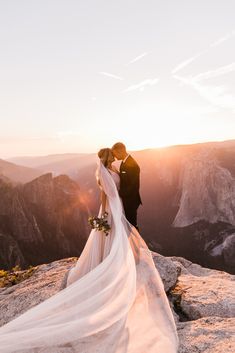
[114,300]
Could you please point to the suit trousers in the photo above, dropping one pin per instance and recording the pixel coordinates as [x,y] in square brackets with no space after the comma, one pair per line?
[131,213]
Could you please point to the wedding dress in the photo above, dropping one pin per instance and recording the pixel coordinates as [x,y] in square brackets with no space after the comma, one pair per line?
[113,302]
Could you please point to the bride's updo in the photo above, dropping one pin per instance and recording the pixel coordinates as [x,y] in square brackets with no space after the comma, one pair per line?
[106,156]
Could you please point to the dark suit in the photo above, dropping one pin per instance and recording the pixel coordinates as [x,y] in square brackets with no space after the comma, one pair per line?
[129,188]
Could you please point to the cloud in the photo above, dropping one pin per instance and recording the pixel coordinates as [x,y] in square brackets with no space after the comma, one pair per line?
[193,58]
[215,73]
[186,63]
[141,86]
[111,75]
[137,58]
[183,80]
[223,39]
[217,95]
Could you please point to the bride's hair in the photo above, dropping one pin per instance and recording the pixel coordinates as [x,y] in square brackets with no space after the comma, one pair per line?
[105,155]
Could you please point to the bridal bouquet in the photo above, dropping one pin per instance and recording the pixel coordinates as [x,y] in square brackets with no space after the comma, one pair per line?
[100,223]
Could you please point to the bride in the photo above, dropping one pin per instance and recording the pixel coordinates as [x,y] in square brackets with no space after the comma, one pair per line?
[114,299]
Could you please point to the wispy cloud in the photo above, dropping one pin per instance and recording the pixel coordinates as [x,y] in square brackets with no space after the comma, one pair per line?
[137,58]
[141,86]
[193,58]
[217,95]
[223,39]
[111,75]
[215,73]
[186,63]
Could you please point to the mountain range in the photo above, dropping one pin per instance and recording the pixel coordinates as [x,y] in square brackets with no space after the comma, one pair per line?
[18,173]
[188,194]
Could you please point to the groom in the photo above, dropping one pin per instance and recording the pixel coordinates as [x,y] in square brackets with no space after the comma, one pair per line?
[129,182]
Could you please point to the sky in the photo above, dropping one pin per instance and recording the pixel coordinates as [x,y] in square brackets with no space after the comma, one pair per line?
[77,75]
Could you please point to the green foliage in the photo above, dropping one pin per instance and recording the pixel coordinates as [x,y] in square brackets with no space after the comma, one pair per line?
[100,224]
[15,275]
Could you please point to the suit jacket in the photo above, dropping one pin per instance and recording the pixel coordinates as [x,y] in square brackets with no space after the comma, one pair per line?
[130,182]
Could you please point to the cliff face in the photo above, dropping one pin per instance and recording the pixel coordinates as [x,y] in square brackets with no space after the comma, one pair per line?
[207,192]
[43,220]
[201,300]
[10,253]
[207,210]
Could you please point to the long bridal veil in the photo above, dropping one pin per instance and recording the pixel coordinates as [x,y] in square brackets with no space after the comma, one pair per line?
[114,300]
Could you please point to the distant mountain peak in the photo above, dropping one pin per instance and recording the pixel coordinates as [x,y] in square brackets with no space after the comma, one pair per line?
[208,192]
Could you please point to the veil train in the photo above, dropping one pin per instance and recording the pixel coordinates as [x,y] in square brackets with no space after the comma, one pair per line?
[111,301]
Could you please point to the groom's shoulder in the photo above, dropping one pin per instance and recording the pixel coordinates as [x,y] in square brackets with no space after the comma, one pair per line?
[132,162]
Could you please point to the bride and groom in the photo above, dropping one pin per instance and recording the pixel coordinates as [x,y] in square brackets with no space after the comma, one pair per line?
[113,300]
[129,175]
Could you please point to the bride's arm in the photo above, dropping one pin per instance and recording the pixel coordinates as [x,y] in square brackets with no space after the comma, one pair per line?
[103,198]
[103,202]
